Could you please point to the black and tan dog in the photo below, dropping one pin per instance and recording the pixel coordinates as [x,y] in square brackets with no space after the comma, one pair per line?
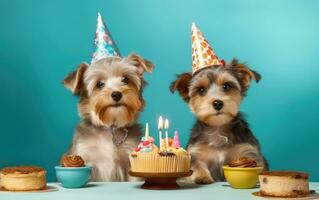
[214,93]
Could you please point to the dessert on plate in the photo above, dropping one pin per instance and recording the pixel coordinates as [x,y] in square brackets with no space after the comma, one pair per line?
[23,178]
[170,157]
[284,184]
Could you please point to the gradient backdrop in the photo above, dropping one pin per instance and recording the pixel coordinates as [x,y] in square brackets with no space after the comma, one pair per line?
[41,41]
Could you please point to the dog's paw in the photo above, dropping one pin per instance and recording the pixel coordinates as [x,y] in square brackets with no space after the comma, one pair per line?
[203,180]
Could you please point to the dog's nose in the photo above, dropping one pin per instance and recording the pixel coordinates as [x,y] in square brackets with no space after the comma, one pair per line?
[218,105]
[116,96]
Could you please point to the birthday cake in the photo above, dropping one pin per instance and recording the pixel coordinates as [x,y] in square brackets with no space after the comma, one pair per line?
[170,157]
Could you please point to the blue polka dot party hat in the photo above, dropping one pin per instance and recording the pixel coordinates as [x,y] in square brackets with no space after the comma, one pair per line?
[104,46]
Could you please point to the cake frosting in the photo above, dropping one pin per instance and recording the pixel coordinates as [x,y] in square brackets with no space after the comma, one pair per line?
[243,162]
[174,147]
[145,146]
[72,161]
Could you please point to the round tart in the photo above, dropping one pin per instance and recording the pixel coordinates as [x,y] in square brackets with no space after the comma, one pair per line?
[23,178]
[284,184]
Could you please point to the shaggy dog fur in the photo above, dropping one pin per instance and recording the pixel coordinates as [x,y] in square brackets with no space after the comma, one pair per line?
[221,133]
[110,92]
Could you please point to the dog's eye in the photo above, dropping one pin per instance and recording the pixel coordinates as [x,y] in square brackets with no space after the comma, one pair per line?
[201,90]
[100,84]
[125,80]
[227,87]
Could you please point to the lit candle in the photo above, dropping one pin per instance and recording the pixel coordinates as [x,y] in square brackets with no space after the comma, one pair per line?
[160,127]
[147,132]
[166,126]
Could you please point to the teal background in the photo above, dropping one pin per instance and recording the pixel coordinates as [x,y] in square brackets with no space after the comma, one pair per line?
[41,41]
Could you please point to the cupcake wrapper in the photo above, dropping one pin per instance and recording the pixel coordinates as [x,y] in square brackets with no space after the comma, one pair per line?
[160,164]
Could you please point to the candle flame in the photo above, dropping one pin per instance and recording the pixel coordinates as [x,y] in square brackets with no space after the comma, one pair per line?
[160,123]
[166,124]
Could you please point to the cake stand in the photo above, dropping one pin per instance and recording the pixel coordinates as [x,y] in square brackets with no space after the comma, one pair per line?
[160,181]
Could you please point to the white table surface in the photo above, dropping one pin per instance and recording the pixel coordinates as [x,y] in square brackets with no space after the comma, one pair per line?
[132,190]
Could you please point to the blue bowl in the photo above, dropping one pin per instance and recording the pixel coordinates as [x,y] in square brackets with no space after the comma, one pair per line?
[73,177]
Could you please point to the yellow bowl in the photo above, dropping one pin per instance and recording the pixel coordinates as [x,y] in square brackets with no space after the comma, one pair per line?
[242,178]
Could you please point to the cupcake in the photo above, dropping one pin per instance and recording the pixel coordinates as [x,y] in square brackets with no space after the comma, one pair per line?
[242,173]
[170,157]
[72,172]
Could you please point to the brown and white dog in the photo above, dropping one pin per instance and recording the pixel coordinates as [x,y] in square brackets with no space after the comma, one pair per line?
[110,92]
[220,134]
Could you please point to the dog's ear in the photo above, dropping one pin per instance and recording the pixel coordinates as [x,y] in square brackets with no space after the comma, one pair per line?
[181,84]
[74,80]
[142,64]
[245,74]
